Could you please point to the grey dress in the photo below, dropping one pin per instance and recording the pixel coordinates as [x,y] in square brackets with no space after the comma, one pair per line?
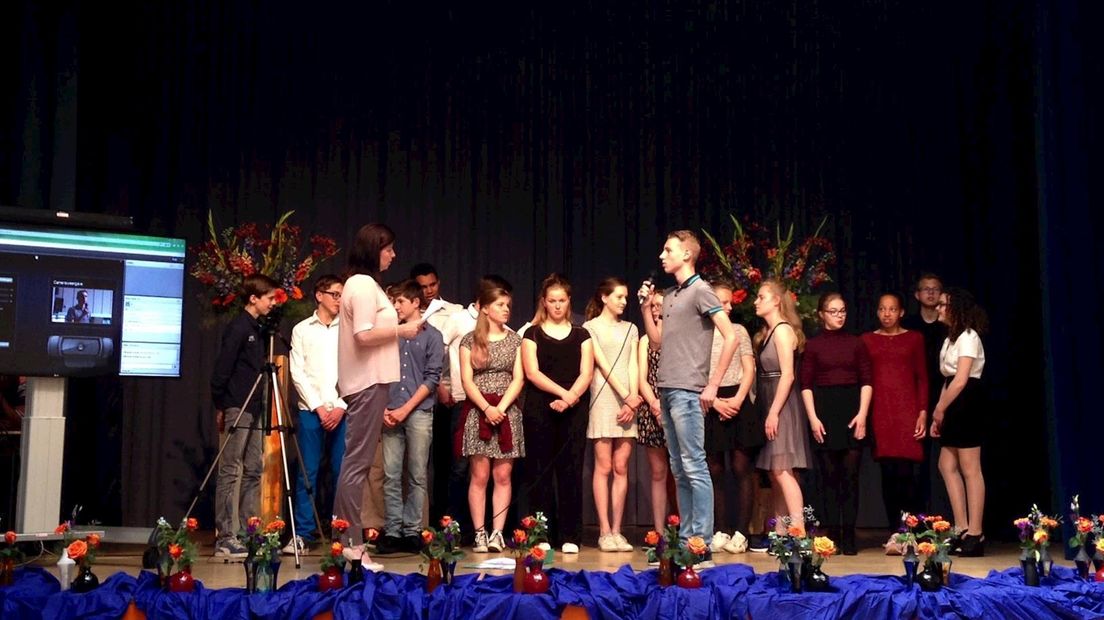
[494,378]
[790,447]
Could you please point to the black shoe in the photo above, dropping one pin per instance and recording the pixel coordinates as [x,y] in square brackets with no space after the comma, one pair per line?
[954,545]
[972,546]
[386,545]
[847,542]
[758,544]
[412,543]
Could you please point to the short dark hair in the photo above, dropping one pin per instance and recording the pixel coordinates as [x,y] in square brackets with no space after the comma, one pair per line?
[257,285]
[928,275]
[422,269]
[367,245]
[325,281]
[492,280]
[409,289]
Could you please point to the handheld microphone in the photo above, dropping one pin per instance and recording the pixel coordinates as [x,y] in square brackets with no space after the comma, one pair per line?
[650,283]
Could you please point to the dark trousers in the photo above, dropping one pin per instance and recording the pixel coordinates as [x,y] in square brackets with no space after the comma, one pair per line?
[554,448]
[441,459]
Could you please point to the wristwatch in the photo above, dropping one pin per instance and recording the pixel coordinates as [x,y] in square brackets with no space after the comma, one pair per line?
[329,405]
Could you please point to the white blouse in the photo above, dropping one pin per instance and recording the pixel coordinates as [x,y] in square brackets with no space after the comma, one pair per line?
[967,345]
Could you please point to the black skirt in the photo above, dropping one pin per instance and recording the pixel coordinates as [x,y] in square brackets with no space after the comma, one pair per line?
[744,431]
[964,421]
[836,406]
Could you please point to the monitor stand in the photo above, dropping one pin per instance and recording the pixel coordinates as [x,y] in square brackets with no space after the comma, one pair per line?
[42,454]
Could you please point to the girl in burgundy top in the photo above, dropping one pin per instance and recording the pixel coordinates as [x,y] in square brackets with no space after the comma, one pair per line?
[836,389]
[899,418]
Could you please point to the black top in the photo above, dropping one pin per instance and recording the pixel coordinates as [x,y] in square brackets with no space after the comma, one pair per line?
[240,360]
[558,360]
[934,334]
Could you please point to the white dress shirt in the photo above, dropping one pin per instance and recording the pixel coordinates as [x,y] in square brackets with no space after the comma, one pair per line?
[439,318]
[458,325]
[314,363]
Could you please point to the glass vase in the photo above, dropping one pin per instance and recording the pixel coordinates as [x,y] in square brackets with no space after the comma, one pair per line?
[434,575]
[86,580]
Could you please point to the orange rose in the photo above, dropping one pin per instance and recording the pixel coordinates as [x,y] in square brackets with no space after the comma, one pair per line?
[93,540]
[520,537]
[941,526]
[795,530]
[373,534]
[62,528]
[77,550]
[9,537]
[697,545]
[336,549]
[912,521]
[446,521]
[1040,537]
[823,546]
[673,520]
[427,536]
[192,524]
[339,525]
[651,538]
[175,551]
[528,522]
[926,548]
[537,553]
[275,526]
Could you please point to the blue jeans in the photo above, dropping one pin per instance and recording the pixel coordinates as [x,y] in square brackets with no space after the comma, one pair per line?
[313,439]
[406,444]
[684,426]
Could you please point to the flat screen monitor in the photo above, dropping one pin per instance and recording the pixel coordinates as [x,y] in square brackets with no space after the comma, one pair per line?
[83,302]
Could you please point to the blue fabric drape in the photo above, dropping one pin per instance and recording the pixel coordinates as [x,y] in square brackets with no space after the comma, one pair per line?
[732,591]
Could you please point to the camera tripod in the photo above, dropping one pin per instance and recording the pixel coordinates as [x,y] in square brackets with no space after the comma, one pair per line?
[269,384]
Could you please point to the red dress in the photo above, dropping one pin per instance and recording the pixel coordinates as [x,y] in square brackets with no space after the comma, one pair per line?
[900,389]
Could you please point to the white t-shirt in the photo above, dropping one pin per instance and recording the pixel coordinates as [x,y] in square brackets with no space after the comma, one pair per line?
[967,345]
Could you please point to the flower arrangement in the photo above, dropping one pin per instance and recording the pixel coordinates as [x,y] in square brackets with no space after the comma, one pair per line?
[262,544]
[81,550]
[176,551]
[692,552]
[336,557]
[794,541]
[1034,534]
[226,258]
[940,533]
[442,544]
[908,535]
[753,256]
[534,530]
[8,551]
[666,545]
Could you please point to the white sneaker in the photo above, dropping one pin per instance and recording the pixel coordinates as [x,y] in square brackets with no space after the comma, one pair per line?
[607,543]
[296,541]
[704,564]
[720,539]
[738,543]
[480,544]
[569,548]
[892,547]
[622,544]
[495,544]
[367,564]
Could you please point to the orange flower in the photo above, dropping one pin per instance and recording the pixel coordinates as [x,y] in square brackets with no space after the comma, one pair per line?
[697,545]
[795,530]
[926,548]
[281,296]
[912,521]
[528,522]
[1049,523]
[336,549]
[373,534]
[93,540]
[1040,537]
[62,528]
[932,518]
[941,526]
[296,292]
[673,520]
[192,524]
[253,522]
[9,537]
[339,525]
[427,536]
[446,521]
[275,526]
[175,551]
[537,553]
[520,537]
[823,546]
[77,550]
[651,538]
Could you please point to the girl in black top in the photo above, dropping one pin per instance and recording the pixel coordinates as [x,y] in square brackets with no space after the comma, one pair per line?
[559,363]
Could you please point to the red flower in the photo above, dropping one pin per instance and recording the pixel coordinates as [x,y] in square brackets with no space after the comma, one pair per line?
[339,525]
[336,549]
[520,537]
[446,521]
[651,538]
[77,550]
[175,551]
[739,296]
[281,296]
[93,540]
[62,528]
[192,524]
[9,537]
[528,523]
[275,526]
[754,275]
[427,536]
[373,534]
[538,553]
[1084,525]
[673,520]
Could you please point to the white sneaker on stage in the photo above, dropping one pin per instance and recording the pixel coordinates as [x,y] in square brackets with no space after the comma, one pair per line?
[569,548]
[720,539]
[737,544]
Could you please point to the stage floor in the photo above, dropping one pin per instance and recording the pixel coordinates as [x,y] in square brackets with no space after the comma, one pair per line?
[217,573]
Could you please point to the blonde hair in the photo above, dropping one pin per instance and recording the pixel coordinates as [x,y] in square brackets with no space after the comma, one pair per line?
[480,353]
[787,307]
[689,241]
[550,282]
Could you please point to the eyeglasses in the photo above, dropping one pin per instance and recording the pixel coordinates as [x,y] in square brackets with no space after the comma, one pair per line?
[935,290]
[336,295]
[835,311]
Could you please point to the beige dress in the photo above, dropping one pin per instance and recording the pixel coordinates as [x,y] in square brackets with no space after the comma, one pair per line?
[616,342]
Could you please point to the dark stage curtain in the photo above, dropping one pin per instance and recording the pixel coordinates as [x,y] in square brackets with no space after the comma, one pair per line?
[521,140]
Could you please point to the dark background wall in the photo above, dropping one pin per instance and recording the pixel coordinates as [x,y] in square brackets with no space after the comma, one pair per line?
[954,137]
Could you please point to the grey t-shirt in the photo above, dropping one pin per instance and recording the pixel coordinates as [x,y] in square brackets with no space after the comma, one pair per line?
[687,335]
